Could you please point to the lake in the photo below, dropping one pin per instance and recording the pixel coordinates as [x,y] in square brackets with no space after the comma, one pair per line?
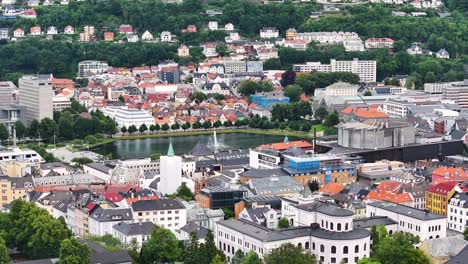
[142,148]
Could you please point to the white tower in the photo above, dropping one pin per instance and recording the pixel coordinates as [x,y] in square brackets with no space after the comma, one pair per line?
[171,172]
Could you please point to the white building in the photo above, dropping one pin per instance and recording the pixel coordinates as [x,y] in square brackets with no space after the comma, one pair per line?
[379,43]
[353,45]
[69,30]
[147,36]
[232,66]
[166,36]
[365,69]
[213,25]
[60,102]
[102,221]
[262,216]
[395,108]
[411,220]
[229,27]
[52,30]
[36,96]
[328,37]
[322,229]
[269,32]
[442,54]
[18,33]
[171,172]
[167,213]
[457,212]
[209,50]
[435,88]
[264,159]
[342,89]
[129,117]
[91,67]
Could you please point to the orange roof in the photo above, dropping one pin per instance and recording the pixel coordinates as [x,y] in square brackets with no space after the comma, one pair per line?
[144,198]
[450,172]
[388,186]
[391,197]
[331,188]
[304,97]
[251,105]
[283,146]
[364,113]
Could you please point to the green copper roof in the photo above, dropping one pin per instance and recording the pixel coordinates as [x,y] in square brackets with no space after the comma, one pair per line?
[170,151]
[286,140]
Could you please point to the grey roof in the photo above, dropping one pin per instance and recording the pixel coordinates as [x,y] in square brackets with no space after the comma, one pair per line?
[274,185]
[446,247]
[203,213]
[200,231]
[406,210]
[460,200]
[155,205]
[134,229]
[112,215]
[263,173]
[460,258]
[457,134]
[104,167]
[54,165]
[462,124]
[257,214]
[100,255]
[201,149]
[62,206]
[294,151]
[373,221]
[325,208]
[267,235]
[37,261]
[19,182]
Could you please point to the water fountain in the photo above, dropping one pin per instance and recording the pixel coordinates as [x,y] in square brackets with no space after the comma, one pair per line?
[215,141]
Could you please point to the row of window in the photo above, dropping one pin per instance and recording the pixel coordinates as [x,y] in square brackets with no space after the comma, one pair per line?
[410,226]
[452,210]
[338,226]
[156,212]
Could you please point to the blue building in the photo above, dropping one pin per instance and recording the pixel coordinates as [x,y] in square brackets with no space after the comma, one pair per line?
[267,100]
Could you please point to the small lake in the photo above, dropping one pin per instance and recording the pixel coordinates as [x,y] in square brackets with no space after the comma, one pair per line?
[143,148]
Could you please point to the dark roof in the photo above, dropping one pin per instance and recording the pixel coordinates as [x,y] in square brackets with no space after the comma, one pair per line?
[460,258]
[144,228]
[37,261]
[263,173]
[201,149]
[109,215]
[266,235]
[406,210]
[457,134]
[155,205]
[62,206]
[19,182]
[373,221]
[325,208]
[200,231]
[461,200]
[100,255]
[362,193]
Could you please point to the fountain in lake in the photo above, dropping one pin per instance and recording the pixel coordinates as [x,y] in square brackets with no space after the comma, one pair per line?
[214,144]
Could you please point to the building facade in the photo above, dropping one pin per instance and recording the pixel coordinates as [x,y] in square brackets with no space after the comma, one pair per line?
[36,97]
[365,69]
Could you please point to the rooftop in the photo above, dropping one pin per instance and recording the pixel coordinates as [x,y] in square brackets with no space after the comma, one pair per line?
[406,210]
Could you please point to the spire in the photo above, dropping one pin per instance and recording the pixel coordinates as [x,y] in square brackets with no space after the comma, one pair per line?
[170,151]
[286,140]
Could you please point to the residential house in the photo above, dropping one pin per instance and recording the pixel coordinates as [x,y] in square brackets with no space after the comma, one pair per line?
[36,31]
[147,36]
[132,38]
[13,188]
[166,36]
[29,13]
[415,49]
[291,33]
[4,33]
[18,33]
[457,212]
[440,250]
[183,51]
[102,220]
[269,32]
[262,216]
[125,29]
[209,50]
[213,25]
[192,28]
[69,30]
[229,27]
[437,197]
[442,54]
[167,213]
[52,30]
[108,36]
[129,233]
[379,43]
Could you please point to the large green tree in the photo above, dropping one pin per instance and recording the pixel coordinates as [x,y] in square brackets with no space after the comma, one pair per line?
[4,258]
[293,92]
[74,252]
[288,253]
[161,247]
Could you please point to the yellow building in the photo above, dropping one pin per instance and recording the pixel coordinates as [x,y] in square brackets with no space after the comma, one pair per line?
[12,188]
[437,197]
[291,34]
[18,168]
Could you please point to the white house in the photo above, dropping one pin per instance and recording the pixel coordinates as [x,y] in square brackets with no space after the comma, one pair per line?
[18,33]
[69,30]
[102,221]
[261,215]
[147,36]
[128,117]
[269,32]
[135,232]
[167,213]
[411,220]
[52,30]
[442,54]
[132,38]
[229,27]
[213,25]
[166,36]
[457,212]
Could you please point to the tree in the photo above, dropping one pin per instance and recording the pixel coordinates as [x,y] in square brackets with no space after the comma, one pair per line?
[272,64]
[320,113]
[199,96]
[34,129]
[161,247]
[121,99]
[20,129]
[283,223]
[81,161]
[227,123]
[165,127]
[313,185]
[132,129]
[184,192]
[155,156]
[465,234]
[4,258]
[48,129]
[306,127]
[386,248]
[367,93]
[4,134]
[123,129]
[252,258]
[206,124]
[90,139]
[288,78]
[143,128]
[192,251]
[208,250]
[217,124]
[238,257]
[217,260]
[331,119]
[152,128]
[288,253]
[74,252]
[293,92]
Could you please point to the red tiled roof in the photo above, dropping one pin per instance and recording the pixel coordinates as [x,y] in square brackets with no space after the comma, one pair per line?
[331,188]
[443,188]
[389,196]
[388,186]
[283,146]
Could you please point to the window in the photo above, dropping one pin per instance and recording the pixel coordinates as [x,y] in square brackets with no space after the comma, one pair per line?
[365,246]
[356,259]
[322,248]
[306,245]
[333,260]
[345,250]
[346,227]
[356,249]
[331,226]
[299,245]
[333,249]
[322,258]
[313,246]
[339,226]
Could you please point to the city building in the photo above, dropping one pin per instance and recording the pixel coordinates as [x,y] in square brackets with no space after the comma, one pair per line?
[35,97]
[268,99]
[88,34]
[218,197]
[91,67]
[213,25]
[102,220]
[379,43]
[457,92]
[269,32]
[328,37]
[133,233]
[129,117]
[13,188]
[457,212]
[233,66]
[171,172]
[366,70]
[411,220]
[167,213]
[291,33]
[342,89]
[166,36]
[437,197]
[4,33]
